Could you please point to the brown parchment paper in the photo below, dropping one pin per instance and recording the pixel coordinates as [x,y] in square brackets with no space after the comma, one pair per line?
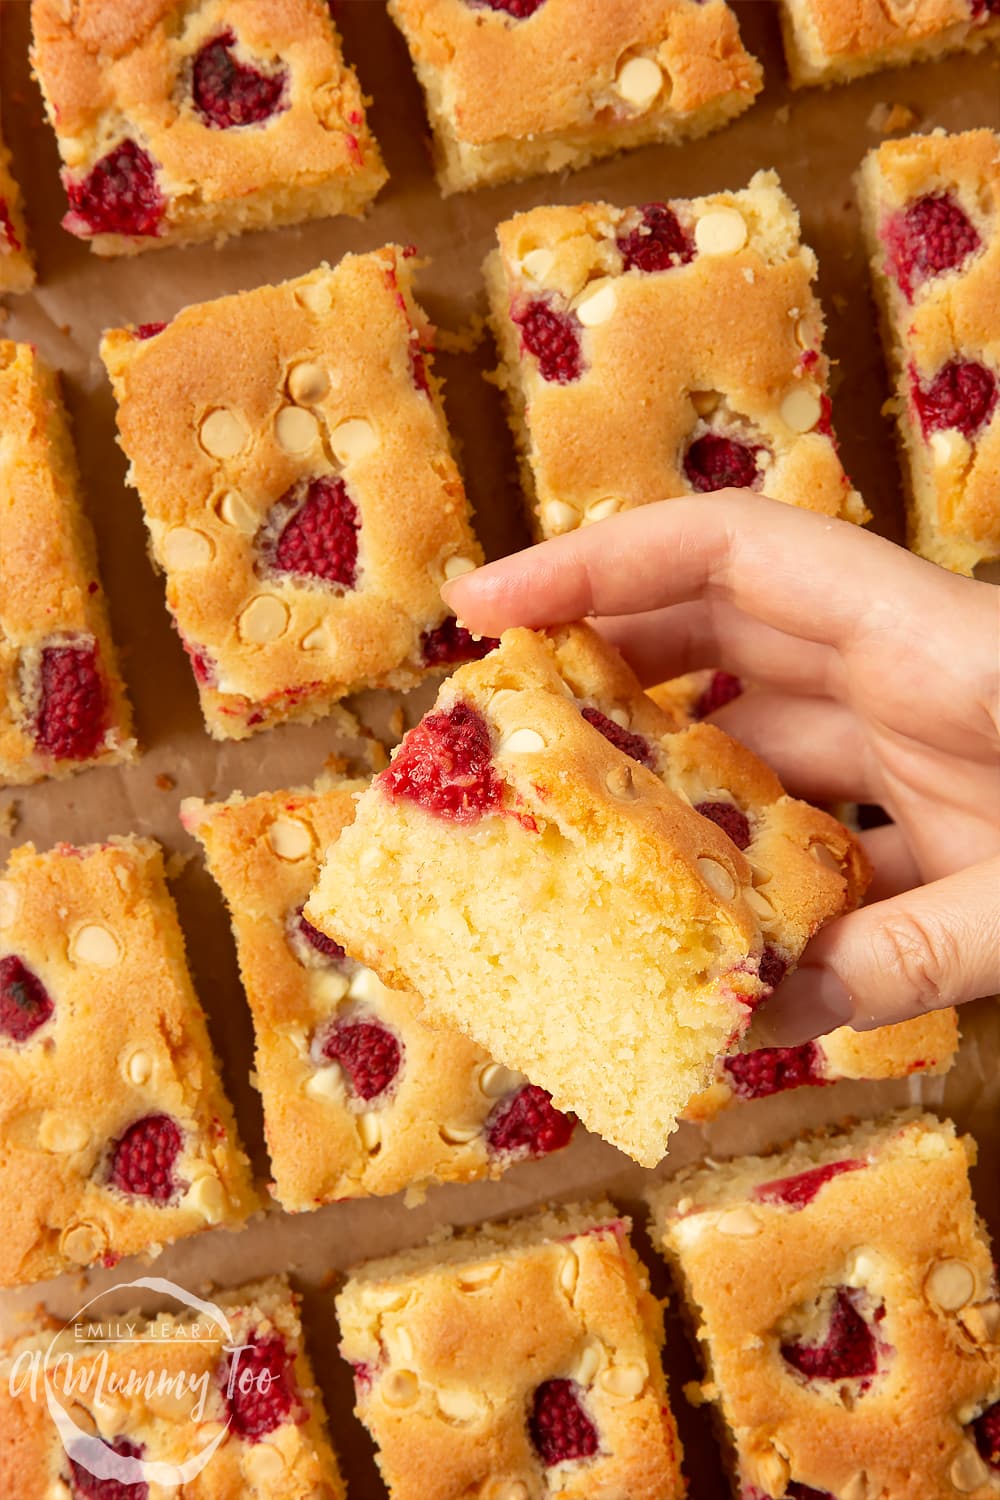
[816,140]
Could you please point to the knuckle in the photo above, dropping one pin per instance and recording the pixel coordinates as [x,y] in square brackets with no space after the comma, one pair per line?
[922,955]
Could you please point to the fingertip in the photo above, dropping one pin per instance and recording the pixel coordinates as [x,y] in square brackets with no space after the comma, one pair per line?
[811,1002]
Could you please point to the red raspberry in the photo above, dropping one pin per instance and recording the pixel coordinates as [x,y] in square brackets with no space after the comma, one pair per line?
[446,765]
[120,195]
[849,1351]
[87,1486]
[520,10]
[797,1191]
[961,395]
[142,1162]
[727,816]
[25,1003]
[9,233]
[202,664]
[149,330]
[981,8]
[714,462]
[986,1430]
[320,537]
[260,1387]
[73,708]
[722,689]
[658,243]
[553,337]
[630,744]
[418,369]
[528,1124]
[560,1428]
[451,642]
[772,967]
[369,1054]
[227,92]
[771,1070]
[933,234]
[319,940]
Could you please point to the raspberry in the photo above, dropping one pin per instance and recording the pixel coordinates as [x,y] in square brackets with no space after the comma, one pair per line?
[560,1428]
[418,369]
[961,395]
[149,330]
[553,338]
[228,93]
[528,1124]
[797,1191]
[982,8]
[119,195]
[202,664]
[8,234]
[445,764]
[87,1486]
[727,816]
[369,1054]
[772,967]
[848,1352]
[930,236]
[622,739]
[25,1003]
[771,1070]
[142,1162]
[320,537]
[73,706]
[986,1430]
[319,940]
[722,689]
[451,642]
[260,1386]
[714,462]
[658,243]
[520,10]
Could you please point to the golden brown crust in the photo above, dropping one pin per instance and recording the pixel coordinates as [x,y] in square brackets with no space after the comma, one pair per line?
[17,272]
[953,484]
[830,41]
[126,1039]
[111,73]
[50,593]
[467,1330]
[343,342]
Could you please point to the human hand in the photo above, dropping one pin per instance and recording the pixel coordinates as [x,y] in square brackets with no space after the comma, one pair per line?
[876,680]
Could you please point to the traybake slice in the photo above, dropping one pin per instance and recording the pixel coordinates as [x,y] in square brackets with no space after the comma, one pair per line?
[62,701]
[596,900]
[931,211]
[178,123]
[115,1135]
[292,458]
[17,273]
[844,1295]
[515,1361]
[222,1392]
[832,41]
[360,1095]
[663,350]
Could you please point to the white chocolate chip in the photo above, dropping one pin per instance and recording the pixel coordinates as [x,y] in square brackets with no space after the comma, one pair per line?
[597,306]
[264,619]
[207,1197]
[307,382]
[621,717]
[824,856]
[515,1490]
[460,1135]
[184,548]
[82,1243]
[538,263]
[327,987]
[326,1083]
[386,1298]
[801,409]
[94,944]
[315,297]
[496,1080]
[370,1131]
[521,742]
[314,640]
[234,511]
[62,1134]
[474,1278]
[948,446]
[59,1491]
[290,838]
[295,430]
[365,985]
[263,1466]
[639,81]
[758,904]
[558,517]
[624,1381]
[718,877]
[587,1365]
[399,1388]
[455,566]
[621,783]
[10,903]
[721,231]
[352,440]
[601,509]
[137,1067]
[740,1222]
[223,434]
[981,1323]
[968,1471]
[400,1345]
[569,1273]
[462,1406]
[951,1284]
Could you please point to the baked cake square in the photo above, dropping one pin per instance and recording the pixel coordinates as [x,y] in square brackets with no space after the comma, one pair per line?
[831,41]
[360,1095]
[515,1361]
[291,454]
[115,1135]
[930,206]
[512,866]
[17,273]
[230,1402]
[844,1294]
[180,122]
[518,87]
[664,350]
[62,702]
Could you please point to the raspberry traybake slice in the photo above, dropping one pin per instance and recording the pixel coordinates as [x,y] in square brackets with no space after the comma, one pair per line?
[931,211]
[62,701]
[240,1379]
[513,1361]
[832,41]
[17,273]
[664,350]
[290,450]
[845,1296]
[511,865]
[519,87]
[360,1095]
[178,123]
[116,1135]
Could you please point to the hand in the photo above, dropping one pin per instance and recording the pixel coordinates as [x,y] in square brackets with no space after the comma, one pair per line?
[875,680]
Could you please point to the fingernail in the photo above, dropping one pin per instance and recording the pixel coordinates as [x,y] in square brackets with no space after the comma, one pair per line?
[809,1003]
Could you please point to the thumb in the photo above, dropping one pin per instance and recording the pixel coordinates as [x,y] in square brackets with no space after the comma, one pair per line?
[936,945]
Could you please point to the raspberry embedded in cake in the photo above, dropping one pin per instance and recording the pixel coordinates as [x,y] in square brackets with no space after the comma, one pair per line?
[317,528]
[202,665]
[445,764]
[848,1352]
[657,243]
[450,643]
[149,330]
[726,815]
[722,689]
[715,462]
[317,940]
[518,10]
[87,1486]
[120,195]
[561,1430]
[8,234]
[73,703]
[772,968]
[528,1124]
[771,1070]
[553,337]
[962,396]
[260,1388]
[929,237]
[25,1003]
[142,1161]
[369,1053]
[800,1189]
[986,1430]
[623,739]
[228,93]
